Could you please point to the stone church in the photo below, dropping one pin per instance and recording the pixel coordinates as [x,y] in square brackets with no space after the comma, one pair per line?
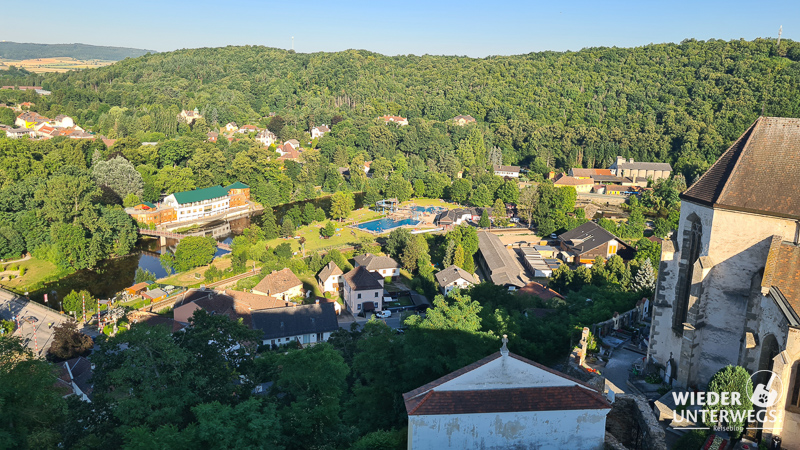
[728,290]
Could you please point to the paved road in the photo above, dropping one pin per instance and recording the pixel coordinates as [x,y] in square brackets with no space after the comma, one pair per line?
[35,318]
[617,369]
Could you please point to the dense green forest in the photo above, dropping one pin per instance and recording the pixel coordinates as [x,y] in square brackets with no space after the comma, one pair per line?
[19,50]
[679,103]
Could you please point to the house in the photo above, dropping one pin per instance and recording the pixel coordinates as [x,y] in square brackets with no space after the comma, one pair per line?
[395,119]
[30,119]
[363,290]
[645,170]
[506,401]
[74,377]
[588,174]
[63,121]
[463,120]
[457,216]
[454,277]
[318,132]
[497,263]
[506,171]
[43,91]
[367,165]
[154,295]
[728,290]
[293,142]
[16,133]
[539,290]
[382,265]
[330,278]
[238,193]
[189,117]
[212,136]
[137,289]
[282,284]
[304,324]
[231,127]
[247,129]
[619,190]
[150,213]
[288,152]
[588,241]
[266,138]
[235,305]
[581,185]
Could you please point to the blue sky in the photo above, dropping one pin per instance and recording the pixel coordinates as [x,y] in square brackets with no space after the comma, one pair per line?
[467,27]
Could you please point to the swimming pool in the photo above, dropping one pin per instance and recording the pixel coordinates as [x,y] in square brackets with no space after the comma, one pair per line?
[386,224]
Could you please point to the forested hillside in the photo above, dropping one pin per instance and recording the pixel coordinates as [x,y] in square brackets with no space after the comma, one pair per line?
[681,103]
[18,50]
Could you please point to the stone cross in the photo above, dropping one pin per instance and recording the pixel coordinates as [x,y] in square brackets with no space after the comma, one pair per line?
[504,349]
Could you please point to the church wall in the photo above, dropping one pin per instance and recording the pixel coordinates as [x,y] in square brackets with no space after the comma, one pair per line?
[739,244]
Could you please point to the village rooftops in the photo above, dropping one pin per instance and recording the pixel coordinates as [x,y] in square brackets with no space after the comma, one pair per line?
[361,279]
[296,320]
[572,181]
[508,387]
[199,195]
[540,290]
[233,304]
[757,174]
[372,262]
[329,270]
[512,169]
[586,237]
[451,274]
[278,282]
[503,269]
[237,185]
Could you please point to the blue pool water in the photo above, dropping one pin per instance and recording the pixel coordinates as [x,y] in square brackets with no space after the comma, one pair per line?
[385,224]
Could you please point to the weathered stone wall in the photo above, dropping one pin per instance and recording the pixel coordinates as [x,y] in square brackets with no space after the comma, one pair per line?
[733,248]
[633,424]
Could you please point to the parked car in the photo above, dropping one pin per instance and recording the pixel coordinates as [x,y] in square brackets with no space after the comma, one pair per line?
[383,314]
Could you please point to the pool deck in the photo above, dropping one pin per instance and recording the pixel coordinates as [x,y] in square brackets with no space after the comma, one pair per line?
[424,219]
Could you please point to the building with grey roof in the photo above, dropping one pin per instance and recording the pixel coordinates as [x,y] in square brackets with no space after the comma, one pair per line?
[383,265]
[497,263]
[454,277]
[588,241]
[305,324]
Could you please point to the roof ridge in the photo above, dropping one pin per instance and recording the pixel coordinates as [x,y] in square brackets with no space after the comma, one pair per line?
[422,400]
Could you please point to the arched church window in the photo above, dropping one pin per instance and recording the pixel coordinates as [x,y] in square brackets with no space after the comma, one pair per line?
[691,248]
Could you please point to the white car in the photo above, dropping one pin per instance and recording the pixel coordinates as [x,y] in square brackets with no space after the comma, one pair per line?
[383,314]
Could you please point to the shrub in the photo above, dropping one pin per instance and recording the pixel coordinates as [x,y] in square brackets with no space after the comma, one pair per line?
[732,379]
[692,440]
[22,271]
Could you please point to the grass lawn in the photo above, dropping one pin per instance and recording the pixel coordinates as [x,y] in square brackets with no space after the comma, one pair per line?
[188,278]
[362,215]
[37,272]
[404,300]
[314,242]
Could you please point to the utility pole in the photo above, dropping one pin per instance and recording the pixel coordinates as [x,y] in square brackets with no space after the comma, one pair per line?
[780,32]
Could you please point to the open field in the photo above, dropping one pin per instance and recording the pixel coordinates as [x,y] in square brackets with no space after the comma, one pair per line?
[61,64]
[37,272]
[315,242]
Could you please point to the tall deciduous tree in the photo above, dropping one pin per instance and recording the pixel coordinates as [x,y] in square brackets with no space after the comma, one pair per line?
[118,175]
[194,251]
[342,203]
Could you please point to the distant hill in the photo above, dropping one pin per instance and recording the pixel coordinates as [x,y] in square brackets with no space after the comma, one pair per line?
[16,50]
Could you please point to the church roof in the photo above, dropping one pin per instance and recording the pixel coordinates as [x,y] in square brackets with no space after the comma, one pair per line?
[758,173]
[544,389]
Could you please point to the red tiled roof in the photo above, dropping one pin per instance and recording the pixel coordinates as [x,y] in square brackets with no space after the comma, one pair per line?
[278,282]
[557,398]
[539,290]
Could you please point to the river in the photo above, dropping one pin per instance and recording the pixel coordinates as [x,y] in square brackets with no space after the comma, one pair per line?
[114,275]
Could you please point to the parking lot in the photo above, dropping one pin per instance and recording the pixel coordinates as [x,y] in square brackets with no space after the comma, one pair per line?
[36,322]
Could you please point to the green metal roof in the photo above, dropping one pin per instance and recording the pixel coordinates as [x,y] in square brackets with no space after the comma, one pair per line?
[237,185]
[199,195]
[149,205]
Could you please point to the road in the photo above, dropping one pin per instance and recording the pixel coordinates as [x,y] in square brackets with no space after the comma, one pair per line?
[35,321]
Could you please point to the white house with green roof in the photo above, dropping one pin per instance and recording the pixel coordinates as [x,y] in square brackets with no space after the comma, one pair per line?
[199,203]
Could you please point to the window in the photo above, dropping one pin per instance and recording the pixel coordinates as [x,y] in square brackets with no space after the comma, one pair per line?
[376,304]
[376,294]
[359,306]
[358,296]
[691,249]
